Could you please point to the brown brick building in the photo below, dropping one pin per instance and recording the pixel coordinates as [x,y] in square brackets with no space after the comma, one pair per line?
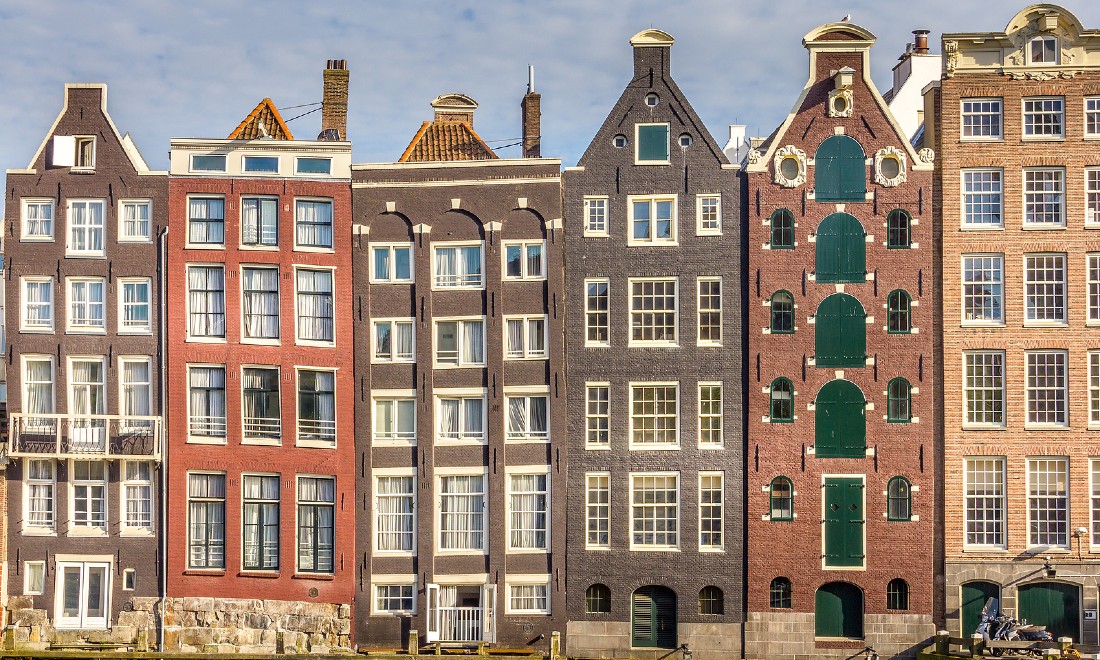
[841,331]
[1017,116]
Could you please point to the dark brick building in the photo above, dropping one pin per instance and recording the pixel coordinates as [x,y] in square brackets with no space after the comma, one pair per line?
[653,252]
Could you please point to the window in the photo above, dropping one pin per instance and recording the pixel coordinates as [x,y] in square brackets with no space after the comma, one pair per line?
[525,338]
[782,233]
[1046,388]
[652,220]
[981,119]
[779,595]
[1094,388]
[41,510]
[899,500]
[781,500]
[395,513]
[394,340]
[899,408]
[313,223]
[37,220]
[1043,50]
[137,495]
[1045,288]
[840,250]
[462,512]
[598,415]
[655,511]
[134,305]
[984,387]
[597,599]
[528,418]
[1092,116]
[458,267]
[982,202]
[206,520]
[86,228]
[260,513]
[651,144]
[899,313]
[598,509]
[619,141]
[88,396]
[782,313]
[86,304]
[983,293]
[89,493]
[710,311]
[207,163]
[260,221]
[653,316]
[260,291]
[595,214]
[129,579]
[261,164]
[1048,502]
[461,419]
[206,301]
[82,593]
[710,415]
[840,332]
[37,304]
[303,165]
[1044,197]
[317,407]
[206,221]
[260,409]
[711,601]
[134,220]
[529,511]
[528,599]
[395,421]
[1092,191]
[1044,118]
[985,501]
[840,171]
[781,401]
[1094,480]
[897,594]
[85,152]
[34,577]
[394,599]
[899,230]
[654,415]
[38,393]
[392,264]
[207,403]
[524,261]
[708,213]
[315,306]
[316,524]
[597,327]
[711,507]
[460,343]
[137,392]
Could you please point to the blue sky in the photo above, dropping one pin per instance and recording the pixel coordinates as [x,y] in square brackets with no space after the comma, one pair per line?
[196,68]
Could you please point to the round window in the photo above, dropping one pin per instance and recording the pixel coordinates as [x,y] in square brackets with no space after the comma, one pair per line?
[788,168]
[840,104]
[685,140]
[890,167]
[652,99]
[619,141]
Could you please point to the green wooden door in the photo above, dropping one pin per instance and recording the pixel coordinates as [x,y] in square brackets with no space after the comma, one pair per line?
[1054,605]
[840,250]
[838,611]
[653,618]
[844,520]
[840,421]
[974,595]
[840,171]
[840,332]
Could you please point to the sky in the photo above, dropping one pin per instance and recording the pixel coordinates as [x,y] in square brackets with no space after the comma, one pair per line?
[195,68]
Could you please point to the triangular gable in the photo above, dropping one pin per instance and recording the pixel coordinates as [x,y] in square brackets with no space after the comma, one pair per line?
[446,141]
[263,122]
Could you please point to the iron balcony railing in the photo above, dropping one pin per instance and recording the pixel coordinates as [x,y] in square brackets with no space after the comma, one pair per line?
[36,435]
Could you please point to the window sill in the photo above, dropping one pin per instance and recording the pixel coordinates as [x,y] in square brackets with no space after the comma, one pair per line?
[526,441]
[654,447]
[204,246]
[85,532]
[36,239]
[981,140]
[205,572]
[135,241]
[645,548]
[314,248]
[450,442]
[191,440]
[262,442]
[1045,427]
[980,228]
[1045,324]
[445,367]
[319,343]
[138,333]
[260,341]
[1042,138]
[36,331]
[527,551]
[205,340]
[664,243]
[326,577]
[597,235]
[525,358]
[259,248]
[137,532]
[82,255]
[985,550]
[393,443]
[1043,226]
[604,447]
[984,427]
[315,444]
[266,575]
[86,331]
[461,553]
[383,282]
[540,278]
[982,324]
[35,531]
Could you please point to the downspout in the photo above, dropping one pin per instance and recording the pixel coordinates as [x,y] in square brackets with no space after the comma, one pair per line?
[163,536]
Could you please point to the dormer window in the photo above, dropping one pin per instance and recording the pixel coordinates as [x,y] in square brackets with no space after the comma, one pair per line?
[75,151]
[1043,50]
[85,152]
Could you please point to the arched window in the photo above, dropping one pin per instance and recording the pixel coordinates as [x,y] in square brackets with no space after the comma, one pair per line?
[899,408]
[782,311]
[899,500]
[899,320]
[840,332]
[712,601]
[840,171]
[898,224]
[597,599]
[782,400]
[782,223]
[897,594]
[781,499]
[840,250]
[840,421]
[781,593]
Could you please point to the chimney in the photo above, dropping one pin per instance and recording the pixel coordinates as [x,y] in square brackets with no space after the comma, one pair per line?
[920,39]
[651,54]
[531,108]
[334,106]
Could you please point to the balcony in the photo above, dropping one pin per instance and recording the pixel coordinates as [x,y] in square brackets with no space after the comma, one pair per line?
[84,436]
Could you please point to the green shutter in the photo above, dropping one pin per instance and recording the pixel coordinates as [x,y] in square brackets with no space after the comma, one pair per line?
[974,596]
[641,621]
[840,332]
[840,171]
[844,522]
[1054,605]
[840,421]
[840,251]
[653,618]
[653,142]
[838,611]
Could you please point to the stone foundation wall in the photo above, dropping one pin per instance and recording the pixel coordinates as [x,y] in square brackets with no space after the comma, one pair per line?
[611,639]
[789,635]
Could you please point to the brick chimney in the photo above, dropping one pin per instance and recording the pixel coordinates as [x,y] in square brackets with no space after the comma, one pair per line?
[334,106]
[455,107]
[531,107]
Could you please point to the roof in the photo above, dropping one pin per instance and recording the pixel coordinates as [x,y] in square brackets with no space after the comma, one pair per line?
[263,122]
[442,140]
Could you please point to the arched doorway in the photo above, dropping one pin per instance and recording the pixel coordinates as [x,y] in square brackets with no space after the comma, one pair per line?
[974,596]
[653,617]
[838,611]
[840,421]
[1055,605]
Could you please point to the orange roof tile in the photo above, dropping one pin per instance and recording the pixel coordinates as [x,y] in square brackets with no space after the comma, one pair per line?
[263,122]
[441,140]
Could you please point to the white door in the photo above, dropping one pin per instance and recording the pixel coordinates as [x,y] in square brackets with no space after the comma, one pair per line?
[488,613]
[433,613]
[82,594]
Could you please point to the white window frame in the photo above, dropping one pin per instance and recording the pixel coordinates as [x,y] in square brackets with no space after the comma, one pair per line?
[1027,282]
[1043,38]
[259,244]
[76,529]
[1003,391]
[461,395]
[1094,491]
[336,400]
[30,589]
[525,394]
[1000,192]
[1060,181]
[668,147]
[699,310]
[394,357]
[524,275]
[71,377]
[409,582]
[23,325]
[528,470]
[1061,393]
[125,526]
[592,419]
[981,112]
[123,329]
[486,521]
[391,263]
[645,446]
[721,506]
[208,245]
[124,237]
[1092,107]
[460,278]
[513,580]
[721,416]
[274,436]
[998,258]
[652,200]
[526,352]
[460,334]
[129,579]
[30,529]
[1042,136]
[88,283]
[126,422]
[84,563]
[299,247]
[596,207]
[297,306]
[28,357]
[88,229]
[297,166]
[376,510]
[1092,191]
[700,229]
[209,339]
[596,511]
[1001,495]
[89,165]
[634,507]
[392,397]
[212,439]
[590,314]
[246,170]
[191,163]
[675,341]
[278,293]
[38,202]
[1033,461]
[1094,389]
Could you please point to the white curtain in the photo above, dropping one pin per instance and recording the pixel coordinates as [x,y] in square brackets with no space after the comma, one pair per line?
[314,223]
[383,340]
[470,264]
[207,520]
[39,219]
[473,425]
[259,220]
[136,381]
[403,340]
[395,513]
[135,304]
[473,342]
[448,418]
[315,305]
[207,301]
[315,524]
[536,336]
[517,416]
[537,416]
[534,260]
[528,511]
[261,522]
[39,386]
[446,262]
[135,220]
[87,379]
[139,505]
[208,400]
[261,401]
[261,303]
[326,396]
[39,303]
[462,512]
[515,338]
[40,495]
[381,263]
[207,221]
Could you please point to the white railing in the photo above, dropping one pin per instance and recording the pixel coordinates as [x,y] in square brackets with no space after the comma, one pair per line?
[263,427]
[206,426]
[459,624]
[317,430]
[98,436]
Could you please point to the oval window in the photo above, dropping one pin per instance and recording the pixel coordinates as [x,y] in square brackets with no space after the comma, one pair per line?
[789,167]
[840,104]
[652,99]
[891,167]
[619,141]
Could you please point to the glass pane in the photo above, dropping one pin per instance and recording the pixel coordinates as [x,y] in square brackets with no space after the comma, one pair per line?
[402,269]
[70,588]
[97,578]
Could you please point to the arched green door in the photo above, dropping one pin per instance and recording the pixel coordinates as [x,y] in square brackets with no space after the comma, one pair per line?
[653,617]
[974,595]
[840,250]
[840,171]
[1054,605]
[840,421]
[838,611]
[840,332]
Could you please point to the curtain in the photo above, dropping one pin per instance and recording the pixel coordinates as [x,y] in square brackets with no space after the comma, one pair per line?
[515,338]
[39,299]
[326,396]
[534,260]
[395,513]
[261,303]
[261,522]
[261,402]
[315,305]
[135,219]
[135,389]
[403,340]
[383,348]
[536,336]
[314,223]
[259,221]
[445,266]
[87,383]
[135,304]
[462,513]
[473,342]
[473,426]
[207,221]
[470,265]
[207,400]
[448,418]
[39,219]
[39,386]
[537,416]
[207,300]
[528,511]
[139,505]
[381,263]
[517,416]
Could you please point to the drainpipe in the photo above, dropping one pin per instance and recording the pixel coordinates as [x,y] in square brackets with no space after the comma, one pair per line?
[163,536]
